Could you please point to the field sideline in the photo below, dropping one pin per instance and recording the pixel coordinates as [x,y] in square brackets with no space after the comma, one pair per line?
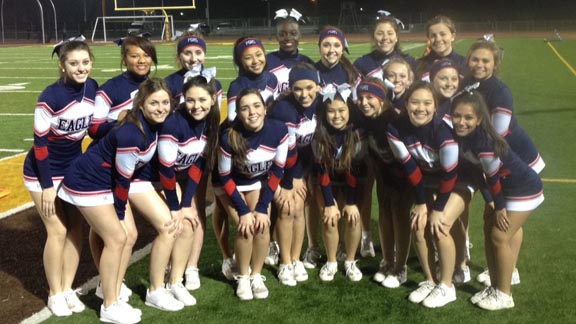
[542,78]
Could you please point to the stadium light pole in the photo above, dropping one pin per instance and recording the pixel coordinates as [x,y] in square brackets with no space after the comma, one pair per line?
[55,21]
[2,18]
[42,21]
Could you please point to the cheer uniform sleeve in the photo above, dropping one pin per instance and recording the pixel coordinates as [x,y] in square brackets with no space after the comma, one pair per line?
[228,184]
[128,140]
[274,176]
[43,115]
[100,125]
[233,90]
[167,153]
[502,111]
[413,172]
[491,166]
[449,162]
[194,177]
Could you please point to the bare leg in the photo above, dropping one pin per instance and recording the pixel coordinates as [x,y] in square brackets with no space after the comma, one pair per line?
[72,246]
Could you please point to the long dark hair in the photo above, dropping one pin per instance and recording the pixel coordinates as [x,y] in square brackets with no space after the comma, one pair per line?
[235,139]
[326,141]
[213,117]
[478,104]
[146,89]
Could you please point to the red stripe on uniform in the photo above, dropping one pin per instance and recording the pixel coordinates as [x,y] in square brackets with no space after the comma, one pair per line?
[41,152]
[447,185]
[415,177]
[273,182]
[168,183]
[290,161]
[496,188]
[195,173]
[324,179]
[351,180]
[229,187]
[121,192]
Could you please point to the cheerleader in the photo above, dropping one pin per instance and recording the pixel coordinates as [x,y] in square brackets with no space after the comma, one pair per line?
[441,35]
[516,191]
[484,61]
[333,66]
[288,35]
[113,101]
[424,144]
[250,58]
[251,163]
[61,118]
[116,95]
[298,110]
[386,45]
[400,76]
[98,183]
[394,198]
[191,54]
[337,150]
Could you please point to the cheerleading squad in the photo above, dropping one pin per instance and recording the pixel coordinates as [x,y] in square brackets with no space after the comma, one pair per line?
[297,157]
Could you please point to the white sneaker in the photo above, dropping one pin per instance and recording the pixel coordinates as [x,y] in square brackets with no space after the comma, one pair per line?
[367,247]
[273,252]
[192,275]
[481,295]
[229,268]
[312,257]
[461,276]
[128,308]
[424,289]
[328,271]
[259,290]
[394,280]
[352,271]
[383,271]
[243,290]
[58,305]
[440,296]
[180,292]
[116,313]
[162,299]
[286,275]
[124,295]
[300,273]
[484,278]
[74,303]
[496,301]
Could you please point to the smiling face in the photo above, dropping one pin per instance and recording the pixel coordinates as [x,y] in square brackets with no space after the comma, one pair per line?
[446,82]
[254,59]
[305,92]
[156,107]
[137,61]
[77,66]
[288,36]
[337,114]
[464,119]
[400,76]
[421,107]
[192,56]
[481,64]
[331,50]
[441,39]
[198,102]
[385,37]
[251,112]
[370,105]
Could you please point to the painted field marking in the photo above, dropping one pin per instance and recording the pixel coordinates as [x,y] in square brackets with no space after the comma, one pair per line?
[15,114]
[558,180]
[11,150]
[562,58]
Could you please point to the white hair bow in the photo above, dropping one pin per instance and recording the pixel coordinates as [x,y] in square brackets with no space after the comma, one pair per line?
[283,14]
[208,73]
[330,91]
[79,38]
[386,14]
[488,37]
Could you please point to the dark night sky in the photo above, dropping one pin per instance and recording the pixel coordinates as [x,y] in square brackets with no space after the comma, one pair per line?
[72,11]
